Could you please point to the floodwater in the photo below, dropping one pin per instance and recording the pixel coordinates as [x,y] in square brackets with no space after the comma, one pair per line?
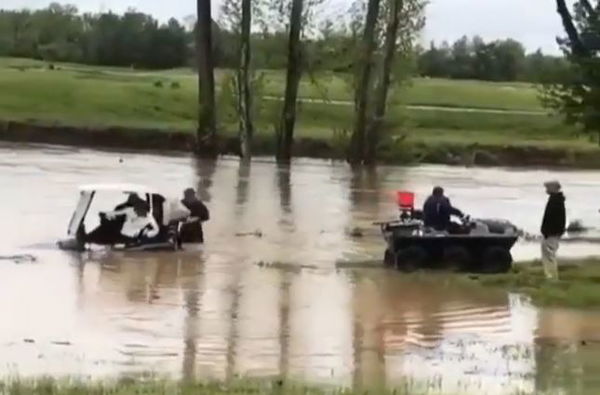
[305,301]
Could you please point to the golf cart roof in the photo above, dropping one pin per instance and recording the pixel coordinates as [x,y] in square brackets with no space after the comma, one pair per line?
[125,188]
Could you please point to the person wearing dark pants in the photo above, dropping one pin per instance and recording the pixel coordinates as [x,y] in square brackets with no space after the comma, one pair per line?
[553,228]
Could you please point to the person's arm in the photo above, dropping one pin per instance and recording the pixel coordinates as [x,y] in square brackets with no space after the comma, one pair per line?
[453,210]
[546,220]
[563,219]
[151,228]
[204,213]
[116,213]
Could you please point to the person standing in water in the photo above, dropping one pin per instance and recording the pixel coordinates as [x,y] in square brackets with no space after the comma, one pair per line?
[553,227]
[193,232]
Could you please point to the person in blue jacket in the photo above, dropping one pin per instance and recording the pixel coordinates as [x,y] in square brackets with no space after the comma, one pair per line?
[438,209]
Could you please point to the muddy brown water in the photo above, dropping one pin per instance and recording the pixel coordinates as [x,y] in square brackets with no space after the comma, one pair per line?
[305,301]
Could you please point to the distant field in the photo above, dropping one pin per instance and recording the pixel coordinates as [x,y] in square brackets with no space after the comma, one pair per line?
[96,96]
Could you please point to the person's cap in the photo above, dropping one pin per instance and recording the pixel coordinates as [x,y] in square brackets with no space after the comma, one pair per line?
[438,190]
[552,185]
[189,190]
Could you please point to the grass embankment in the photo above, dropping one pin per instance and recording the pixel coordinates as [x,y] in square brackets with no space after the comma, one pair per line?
[578,285]
[93,97]
[130,387]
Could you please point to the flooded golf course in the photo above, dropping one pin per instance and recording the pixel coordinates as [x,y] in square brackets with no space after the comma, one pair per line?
[281,287]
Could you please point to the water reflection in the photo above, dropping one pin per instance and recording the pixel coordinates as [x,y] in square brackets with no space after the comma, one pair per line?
[277,304]
[205,171]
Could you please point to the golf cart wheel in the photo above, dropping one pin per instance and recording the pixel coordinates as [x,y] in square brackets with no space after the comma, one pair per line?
[411,258]
[496,260]
[389,258]
[457,258]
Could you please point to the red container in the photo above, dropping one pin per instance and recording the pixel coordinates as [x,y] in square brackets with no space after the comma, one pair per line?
[405,199]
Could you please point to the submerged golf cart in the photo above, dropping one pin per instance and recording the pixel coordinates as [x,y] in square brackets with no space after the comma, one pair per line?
[168,215]
[474,245]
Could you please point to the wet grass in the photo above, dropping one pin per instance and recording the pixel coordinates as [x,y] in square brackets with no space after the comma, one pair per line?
[79,95]
[49,386]
[578,285]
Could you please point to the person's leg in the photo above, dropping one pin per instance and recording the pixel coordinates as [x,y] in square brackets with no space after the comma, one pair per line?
[549,250]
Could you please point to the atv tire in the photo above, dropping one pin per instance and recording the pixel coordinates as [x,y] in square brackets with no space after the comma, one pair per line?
[496,260]
[389,258]
[411,259]
[458,258]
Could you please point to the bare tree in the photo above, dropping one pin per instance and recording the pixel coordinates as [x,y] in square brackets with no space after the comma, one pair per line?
[206,133]
[243,82]
[404,19]
[367,48]
[390,46]
[294,73]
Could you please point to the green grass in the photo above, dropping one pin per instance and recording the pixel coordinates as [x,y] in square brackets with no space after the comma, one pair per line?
[578,285]
[49,386]
[96,96]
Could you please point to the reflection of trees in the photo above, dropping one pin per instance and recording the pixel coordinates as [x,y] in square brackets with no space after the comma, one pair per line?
[243,184]
[364,183]
[185,272]
[284,174]
[205,171]
[190,327]
[369,358]
[565,361]
[392,314]
[233,337]
[284,323]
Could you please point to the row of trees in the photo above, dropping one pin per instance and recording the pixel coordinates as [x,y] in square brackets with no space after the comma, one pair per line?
[60,33]
[500,60]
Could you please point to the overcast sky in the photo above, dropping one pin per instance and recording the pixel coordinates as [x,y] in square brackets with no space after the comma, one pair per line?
[533,22]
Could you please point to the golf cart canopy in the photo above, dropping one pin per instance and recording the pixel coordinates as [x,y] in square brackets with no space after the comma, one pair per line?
[125,188]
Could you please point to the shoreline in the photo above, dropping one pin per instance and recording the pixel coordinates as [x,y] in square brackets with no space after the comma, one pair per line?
[148,139]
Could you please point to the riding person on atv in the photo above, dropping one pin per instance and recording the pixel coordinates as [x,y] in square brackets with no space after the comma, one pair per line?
[437,211]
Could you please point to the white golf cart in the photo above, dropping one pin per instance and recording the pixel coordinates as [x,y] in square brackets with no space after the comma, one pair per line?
[168,216]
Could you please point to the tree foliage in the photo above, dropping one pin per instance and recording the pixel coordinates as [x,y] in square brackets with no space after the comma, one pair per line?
[61,33]
[499,60]
[576,95]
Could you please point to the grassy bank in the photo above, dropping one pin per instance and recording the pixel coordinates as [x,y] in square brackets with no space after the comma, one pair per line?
[152,387]
[96,98]
[578,285]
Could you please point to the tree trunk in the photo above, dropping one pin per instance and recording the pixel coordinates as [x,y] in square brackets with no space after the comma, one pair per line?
[294,72]
[357,152]
[391,34]
[577,47]
[206,133]
[244,97]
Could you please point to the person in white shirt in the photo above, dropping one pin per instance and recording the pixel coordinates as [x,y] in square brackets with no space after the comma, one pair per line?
[139,222]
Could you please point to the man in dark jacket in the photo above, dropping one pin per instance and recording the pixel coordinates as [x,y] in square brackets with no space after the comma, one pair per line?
[192,232]
[553,227]
[438,209]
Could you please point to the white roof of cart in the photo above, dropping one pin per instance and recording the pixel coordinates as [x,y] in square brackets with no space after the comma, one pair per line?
[125,188]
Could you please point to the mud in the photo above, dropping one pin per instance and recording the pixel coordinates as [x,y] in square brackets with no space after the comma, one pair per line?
[161,140]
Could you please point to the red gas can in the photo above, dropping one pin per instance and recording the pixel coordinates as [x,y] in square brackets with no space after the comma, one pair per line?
[405,200]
